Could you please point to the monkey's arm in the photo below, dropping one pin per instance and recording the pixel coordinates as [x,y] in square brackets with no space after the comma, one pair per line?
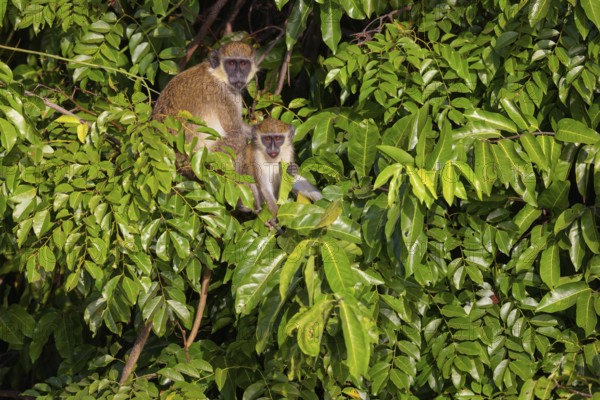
[306,189]
[302,186]
[266,191]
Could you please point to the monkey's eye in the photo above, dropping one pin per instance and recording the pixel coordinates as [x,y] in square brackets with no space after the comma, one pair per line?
[279,140]
[242,63]
[231,63]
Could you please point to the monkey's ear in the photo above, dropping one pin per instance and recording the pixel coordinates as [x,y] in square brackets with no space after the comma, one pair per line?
[213,58]
[291,133]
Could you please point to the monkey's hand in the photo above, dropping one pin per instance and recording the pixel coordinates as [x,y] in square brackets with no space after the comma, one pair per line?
[292,169]
[272,223]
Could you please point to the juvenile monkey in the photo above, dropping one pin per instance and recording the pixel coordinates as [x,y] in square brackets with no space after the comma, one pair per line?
[272,144]
[212,91]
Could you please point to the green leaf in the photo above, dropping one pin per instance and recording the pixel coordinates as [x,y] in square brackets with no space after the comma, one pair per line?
[310,325]
[8,135]
[498,374]
[590,231]
[362,146]
[505,39]
[485,166]
[159,320]
[9,330]
[550,266]
[562,297]
[527,390]
[353,8]
[331,15]
[534,150]
[411,220]
[449,179]
[256,274]
[301,217]
[162,247]
[494,120]
[221,377]
[356,337]
[291,265]
[476,130]
[537,11]
[572,131]
[339,274]
[6,74]
[592,10]
[514,113]
[41,223]
[566,218]
[296,22]
[44,328]
[586,314]
[47,259]
[142,261]
[148,233]
[556,197]
[98,250]
[397,154]
[331,214]
[181,244]
[441,153]
[182,312]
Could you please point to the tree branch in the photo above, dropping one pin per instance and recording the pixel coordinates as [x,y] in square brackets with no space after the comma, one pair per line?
[284,71]
[519,136]
[55,107]
[213,12]
[201,305]
[64,111]
[136,350]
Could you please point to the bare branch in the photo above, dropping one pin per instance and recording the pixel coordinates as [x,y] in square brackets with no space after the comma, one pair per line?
[273,43]
[136,350]
[284,71]
[213,12]
[201,305]
[55,107]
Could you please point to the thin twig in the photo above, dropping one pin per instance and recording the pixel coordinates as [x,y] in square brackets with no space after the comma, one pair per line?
[233,15]
[519,136]
[213,12]
[64,111]
[273,43]
[201,305]
[283,71]
[574,391]
[55,107]
[366,34]
[136,350]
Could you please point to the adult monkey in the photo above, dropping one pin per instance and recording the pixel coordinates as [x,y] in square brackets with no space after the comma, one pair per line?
[212,91]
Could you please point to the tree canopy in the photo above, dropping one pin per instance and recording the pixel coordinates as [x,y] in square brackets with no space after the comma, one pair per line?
[455,254]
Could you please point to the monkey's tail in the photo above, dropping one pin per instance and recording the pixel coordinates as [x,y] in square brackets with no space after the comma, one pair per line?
[306,189]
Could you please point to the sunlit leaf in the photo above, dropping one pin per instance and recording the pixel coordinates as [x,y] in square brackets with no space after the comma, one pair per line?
[562,297]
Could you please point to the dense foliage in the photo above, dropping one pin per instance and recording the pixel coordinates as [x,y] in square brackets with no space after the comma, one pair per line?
[456,252]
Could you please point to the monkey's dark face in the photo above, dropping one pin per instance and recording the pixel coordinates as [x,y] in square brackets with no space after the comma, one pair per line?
[272,144]
[237,70]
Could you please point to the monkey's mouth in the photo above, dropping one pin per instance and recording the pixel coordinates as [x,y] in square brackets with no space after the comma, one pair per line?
[273,155]
[239,85]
